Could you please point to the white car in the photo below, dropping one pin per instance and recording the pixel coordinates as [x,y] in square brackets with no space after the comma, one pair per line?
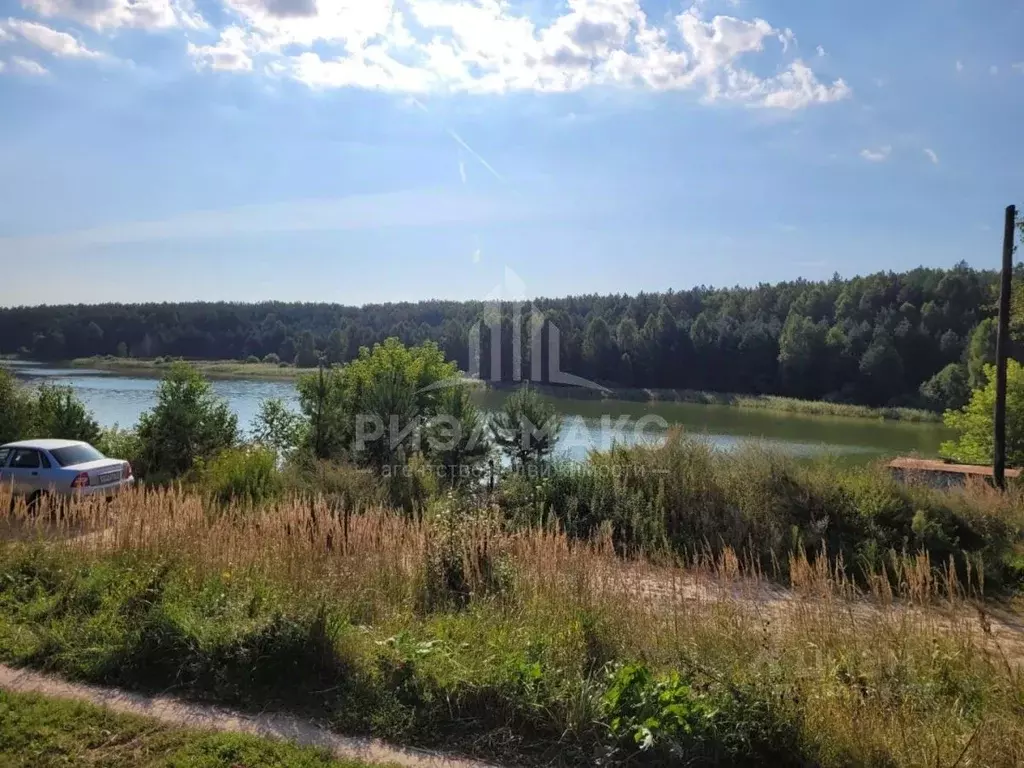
[62,468]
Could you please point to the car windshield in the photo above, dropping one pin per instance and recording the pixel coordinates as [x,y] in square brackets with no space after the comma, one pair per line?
[76,454]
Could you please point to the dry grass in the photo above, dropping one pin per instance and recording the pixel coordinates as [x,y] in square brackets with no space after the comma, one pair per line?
[914,669]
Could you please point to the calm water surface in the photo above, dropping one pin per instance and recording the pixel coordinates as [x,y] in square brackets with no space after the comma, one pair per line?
[116,399]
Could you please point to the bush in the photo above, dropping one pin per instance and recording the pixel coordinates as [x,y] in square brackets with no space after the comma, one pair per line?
[47,412]
[462,561]
[345,488]
[974,422]
[949,389]
[272,359]
[526,428]
[60,414]
[188,426]
[410,485]
[243,476]
[252,360]
[668,718]
[688,499]
[118,443]
[16,409]
[277,427]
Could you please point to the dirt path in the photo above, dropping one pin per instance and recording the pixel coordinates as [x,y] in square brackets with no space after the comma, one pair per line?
[177,713]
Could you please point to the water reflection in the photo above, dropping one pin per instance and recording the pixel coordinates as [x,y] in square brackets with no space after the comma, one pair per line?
[119,399]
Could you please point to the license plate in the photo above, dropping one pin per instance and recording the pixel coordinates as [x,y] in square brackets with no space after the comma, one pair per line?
[110,477]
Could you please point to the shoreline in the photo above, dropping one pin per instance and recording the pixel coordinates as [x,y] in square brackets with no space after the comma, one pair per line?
[767,403]
[237,369]
[215,369]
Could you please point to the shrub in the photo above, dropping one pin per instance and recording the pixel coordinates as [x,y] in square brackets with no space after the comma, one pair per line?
[458,437]
[243,476]
[668,718]
[342,486]
[272,359]
[60,414]
[463,560]
[188,426]
[527,427]
[119,443]
[277,427]
[252,360]
[16,409]
[47,412]
[974,422]
[949,389]
[688,499]
[410,485]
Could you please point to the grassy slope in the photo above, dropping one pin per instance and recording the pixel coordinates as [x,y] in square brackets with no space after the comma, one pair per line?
[37,732]
[507,645]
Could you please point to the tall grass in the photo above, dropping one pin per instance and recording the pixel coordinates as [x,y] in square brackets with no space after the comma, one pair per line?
[685,497]
[524,644]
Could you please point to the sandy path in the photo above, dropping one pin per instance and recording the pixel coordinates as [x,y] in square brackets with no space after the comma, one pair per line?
[177,713]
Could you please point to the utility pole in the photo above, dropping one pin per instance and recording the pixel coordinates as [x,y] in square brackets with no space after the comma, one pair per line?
[1003,349]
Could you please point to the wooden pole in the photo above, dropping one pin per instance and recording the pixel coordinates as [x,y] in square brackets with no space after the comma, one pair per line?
[1003,349]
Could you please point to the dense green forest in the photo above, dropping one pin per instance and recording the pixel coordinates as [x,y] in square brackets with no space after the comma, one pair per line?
[914,338]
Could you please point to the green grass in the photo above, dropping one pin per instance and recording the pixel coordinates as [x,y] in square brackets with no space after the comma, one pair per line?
[509,672]
[685,497]
[223,369]
[38,732]
[514,631]
[488,680]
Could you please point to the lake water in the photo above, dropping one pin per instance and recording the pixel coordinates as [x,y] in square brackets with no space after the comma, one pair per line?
[117,399]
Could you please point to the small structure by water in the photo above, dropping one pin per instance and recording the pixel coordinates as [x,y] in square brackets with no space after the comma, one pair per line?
[942,474]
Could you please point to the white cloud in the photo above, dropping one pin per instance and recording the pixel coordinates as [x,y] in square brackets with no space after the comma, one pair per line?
[483,46]
[50,40]
[228,54]
[959,66]
[993,70]
[876,155]
[787,37]
[28,66]
[932,155]
[110,14]
[1019,66]
[3,66]
[4,35]
[821,51]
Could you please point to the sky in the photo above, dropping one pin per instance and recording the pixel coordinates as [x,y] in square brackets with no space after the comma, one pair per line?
[366,151]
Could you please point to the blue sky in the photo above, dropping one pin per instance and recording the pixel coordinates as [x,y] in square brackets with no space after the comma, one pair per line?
[387,150]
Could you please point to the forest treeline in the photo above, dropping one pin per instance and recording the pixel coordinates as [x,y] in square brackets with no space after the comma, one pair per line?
[918,338]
